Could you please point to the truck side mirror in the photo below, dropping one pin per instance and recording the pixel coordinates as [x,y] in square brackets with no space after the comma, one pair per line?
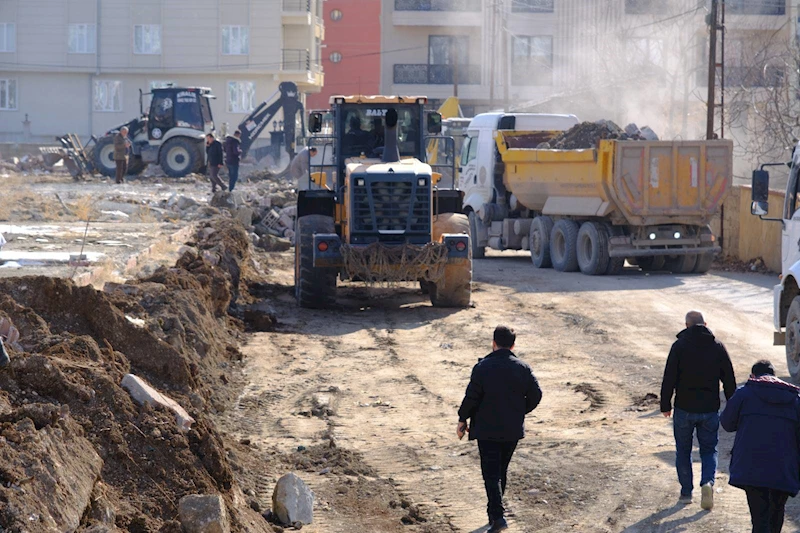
[760,186]
[315,122]
[434,123]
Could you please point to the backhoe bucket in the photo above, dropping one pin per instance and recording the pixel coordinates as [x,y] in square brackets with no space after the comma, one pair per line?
[77,158]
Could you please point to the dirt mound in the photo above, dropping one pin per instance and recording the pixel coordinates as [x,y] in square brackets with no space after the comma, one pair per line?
[76,450]
[589,134]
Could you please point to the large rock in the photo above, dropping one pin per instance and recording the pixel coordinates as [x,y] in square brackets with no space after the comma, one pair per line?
[143,393]
[292,500]
[204,513]
[271,243]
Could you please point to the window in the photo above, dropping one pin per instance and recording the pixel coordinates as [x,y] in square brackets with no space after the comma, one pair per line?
[235,40]
[8,37]
[749,7]
[335,57]
[8,95]
[644,51]
[365,128]
[147,39]
[444,49]
[82,39]
[161,84]
[532,59]
[336,15]
[469,151]
[241,96]
[532,6]
[107,95]
[645,7]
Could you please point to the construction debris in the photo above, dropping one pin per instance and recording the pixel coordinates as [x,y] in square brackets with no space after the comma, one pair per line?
[204,513]
[293,501]
[588,135]
[143,393]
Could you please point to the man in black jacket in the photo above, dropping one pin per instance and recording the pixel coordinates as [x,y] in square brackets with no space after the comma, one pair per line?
[233,152]
[214,162]
[501,391]
[696,364]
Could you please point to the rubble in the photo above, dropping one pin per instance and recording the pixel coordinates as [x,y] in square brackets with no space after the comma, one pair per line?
[201,513]
[292,500]
[143,393]
[588,134]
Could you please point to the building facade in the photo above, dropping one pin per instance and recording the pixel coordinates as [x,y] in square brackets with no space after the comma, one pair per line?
[78,65]
[351,55]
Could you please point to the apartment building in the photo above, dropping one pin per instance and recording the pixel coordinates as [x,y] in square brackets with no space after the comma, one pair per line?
[627,60]
[78,65]
[351,51]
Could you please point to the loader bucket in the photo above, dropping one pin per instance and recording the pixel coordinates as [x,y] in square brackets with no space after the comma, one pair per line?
[76,157]
[50,155]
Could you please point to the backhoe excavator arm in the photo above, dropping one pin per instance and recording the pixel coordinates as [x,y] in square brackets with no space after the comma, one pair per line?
[289,100]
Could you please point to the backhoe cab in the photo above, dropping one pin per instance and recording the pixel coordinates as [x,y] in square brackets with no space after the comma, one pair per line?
[375,213]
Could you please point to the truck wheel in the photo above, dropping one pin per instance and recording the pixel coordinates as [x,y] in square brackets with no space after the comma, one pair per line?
[703,263]
[180,156]
[681,264]
[652,263]
[793,340]
[455,288]
[539,238]
[478,252]
[564,245]
[615,264]
[592,249]
[103,156]
[315,288]
[135,165]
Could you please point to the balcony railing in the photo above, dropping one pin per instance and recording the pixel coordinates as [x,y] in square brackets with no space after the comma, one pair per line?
[748,77]
[437,5]
[297,5]
[296,60]
[749,7]
[532,6]
[422,74]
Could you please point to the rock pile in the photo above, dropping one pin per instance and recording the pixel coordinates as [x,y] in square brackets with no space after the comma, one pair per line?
[588,135]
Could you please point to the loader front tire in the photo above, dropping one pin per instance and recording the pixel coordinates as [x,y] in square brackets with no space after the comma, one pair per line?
[180,156]
[135,165]
[315,287]
[455,288]
[103,156]
[564,246]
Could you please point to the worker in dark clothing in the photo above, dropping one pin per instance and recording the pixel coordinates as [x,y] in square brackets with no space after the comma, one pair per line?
[214,162]
[356,140]
[501,391]
[765,462]
[121,145]
[696,364]
[233,153]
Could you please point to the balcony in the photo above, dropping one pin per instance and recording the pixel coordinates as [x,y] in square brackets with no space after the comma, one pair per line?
[419,13]
[747,77]
[297,12]
[422,74]
[299,67]
[748,7]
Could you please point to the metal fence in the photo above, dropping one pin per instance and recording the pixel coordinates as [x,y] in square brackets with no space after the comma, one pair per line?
[422,74]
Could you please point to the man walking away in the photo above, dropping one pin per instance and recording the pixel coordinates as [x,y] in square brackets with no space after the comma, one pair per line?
[233,152]
[765,414]
[696,364]
[501,391]
[214,158]
[300,165]
[121,144]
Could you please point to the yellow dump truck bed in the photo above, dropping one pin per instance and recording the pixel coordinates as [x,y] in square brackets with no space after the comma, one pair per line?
[638,182]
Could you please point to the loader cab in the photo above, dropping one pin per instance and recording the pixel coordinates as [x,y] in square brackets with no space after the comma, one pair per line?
[179,107]
[478,168]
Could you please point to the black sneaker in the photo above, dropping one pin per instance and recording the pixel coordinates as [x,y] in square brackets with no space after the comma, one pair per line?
[5,360]
[498,525]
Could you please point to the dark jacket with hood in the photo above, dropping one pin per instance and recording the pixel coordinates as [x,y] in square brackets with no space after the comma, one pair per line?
[765,414]
[696,364]
[233,150]
[501,391]
[214,151]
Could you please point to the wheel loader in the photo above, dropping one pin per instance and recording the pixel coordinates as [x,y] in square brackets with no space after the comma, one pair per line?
[373,211]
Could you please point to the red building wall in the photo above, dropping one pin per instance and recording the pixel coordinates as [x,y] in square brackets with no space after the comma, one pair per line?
[357,37]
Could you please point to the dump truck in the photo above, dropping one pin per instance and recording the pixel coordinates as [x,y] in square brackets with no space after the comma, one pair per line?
[372,210]
[786,294]
[649,202]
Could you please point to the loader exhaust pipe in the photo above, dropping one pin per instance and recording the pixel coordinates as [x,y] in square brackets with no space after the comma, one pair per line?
[391,153]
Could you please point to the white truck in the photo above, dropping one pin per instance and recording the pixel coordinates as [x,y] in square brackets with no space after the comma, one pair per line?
[786,295]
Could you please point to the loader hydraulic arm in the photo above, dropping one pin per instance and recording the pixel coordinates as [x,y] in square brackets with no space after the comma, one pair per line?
[252,126]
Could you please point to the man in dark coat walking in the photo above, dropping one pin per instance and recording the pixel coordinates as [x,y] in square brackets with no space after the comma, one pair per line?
[696,364]
[501,391]
[214,162]
[233,152]
[765,463]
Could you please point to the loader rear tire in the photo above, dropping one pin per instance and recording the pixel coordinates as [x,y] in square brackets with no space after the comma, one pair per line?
[315,287]
[180,156]
[703,263]
[564,246]
[539,240]
[450,223]
[478,252]
[135,165]
[681,264]
[592,249]
[103,156]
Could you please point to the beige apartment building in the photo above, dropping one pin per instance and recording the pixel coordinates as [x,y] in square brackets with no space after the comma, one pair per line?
[78,65]
[627,60]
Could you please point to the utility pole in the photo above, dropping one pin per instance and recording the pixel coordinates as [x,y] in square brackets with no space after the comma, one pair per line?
[455,55]
[712,69]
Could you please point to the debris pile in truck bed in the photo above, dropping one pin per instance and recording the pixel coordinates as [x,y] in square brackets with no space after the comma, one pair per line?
[77,453]
[588,135]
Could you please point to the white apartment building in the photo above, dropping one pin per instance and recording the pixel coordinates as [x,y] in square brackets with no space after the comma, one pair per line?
[78,65]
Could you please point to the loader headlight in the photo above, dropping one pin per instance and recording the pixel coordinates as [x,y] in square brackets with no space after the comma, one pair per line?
[360,182]
[421,182]
[652,236]
[677,235]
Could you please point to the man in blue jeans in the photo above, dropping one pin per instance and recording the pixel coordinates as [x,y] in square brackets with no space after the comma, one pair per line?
[696,364]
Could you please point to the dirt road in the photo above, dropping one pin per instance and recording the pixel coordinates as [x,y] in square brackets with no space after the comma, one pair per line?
[384,375]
